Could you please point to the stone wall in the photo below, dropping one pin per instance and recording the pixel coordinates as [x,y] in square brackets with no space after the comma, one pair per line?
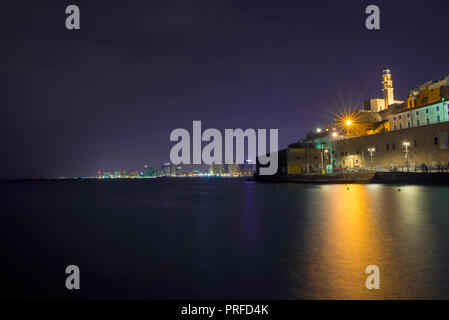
[428,145]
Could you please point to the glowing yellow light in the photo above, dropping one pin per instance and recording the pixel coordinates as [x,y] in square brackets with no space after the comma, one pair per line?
[348,123]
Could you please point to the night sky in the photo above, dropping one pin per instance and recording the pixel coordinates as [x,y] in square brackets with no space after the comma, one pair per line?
[107,96]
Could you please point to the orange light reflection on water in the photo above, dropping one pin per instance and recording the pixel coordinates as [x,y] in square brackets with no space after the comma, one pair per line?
[349,234]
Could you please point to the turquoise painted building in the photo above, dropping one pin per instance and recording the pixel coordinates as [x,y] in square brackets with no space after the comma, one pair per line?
[431,114]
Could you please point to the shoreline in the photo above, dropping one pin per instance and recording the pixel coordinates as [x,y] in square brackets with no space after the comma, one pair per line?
[399,178]
[422,178]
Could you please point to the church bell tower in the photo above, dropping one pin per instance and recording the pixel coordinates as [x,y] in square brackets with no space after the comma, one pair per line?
[387,88]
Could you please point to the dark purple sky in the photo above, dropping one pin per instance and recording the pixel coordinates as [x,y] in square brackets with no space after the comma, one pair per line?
[107,96]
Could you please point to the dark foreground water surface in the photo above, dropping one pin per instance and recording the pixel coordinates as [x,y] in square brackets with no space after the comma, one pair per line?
[222,238]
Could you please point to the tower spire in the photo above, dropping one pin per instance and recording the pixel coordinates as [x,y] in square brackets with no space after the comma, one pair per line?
[387,88]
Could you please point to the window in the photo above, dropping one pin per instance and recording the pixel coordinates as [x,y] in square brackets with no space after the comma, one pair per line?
[417,123]
[342,153]
[438,119]
[400,117]
[417,113]
[377,148]
[356,161]
[427,111]
[427,120]
[394,118]
[394,127]
[415,143]
[393,146]
[400,126]
[408,124]
[435,139]
[408,115]
[388,147]
[438,108]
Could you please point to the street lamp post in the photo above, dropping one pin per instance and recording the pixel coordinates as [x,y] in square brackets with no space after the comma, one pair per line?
[406,144]
[323,171]
[371,153]
[325,153]
[322,162]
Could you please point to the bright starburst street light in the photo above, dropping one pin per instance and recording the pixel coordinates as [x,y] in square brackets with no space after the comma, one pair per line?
[318,130]
[334,134]
[348,122]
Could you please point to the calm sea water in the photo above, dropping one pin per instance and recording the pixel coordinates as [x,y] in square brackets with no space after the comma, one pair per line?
[223,238]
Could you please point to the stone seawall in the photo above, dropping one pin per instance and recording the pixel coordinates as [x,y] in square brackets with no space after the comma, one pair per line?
[439,178]
[319,178]
[436,178]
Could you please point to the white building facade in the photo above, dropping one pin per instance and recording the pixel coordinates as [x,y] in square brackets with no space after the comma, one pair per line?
[431,114]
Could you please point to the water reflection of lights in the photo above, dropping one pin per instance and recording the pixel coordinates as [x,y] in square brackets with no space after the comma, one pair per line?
[355,226]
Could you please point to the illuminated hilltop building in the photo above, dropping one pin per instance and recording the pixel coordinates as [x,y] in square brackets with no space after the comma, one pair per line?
[373,118]
[426,105]
[386,134]
[378,105]
[428,93]
[388,114]
[387,89]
